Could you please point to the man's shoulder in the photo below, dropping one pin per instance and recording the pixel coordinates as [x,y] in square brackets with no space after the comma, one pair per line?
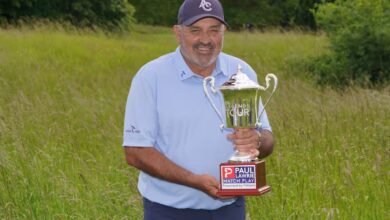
[232,63]
[229,57]
[233,60]
[155,67]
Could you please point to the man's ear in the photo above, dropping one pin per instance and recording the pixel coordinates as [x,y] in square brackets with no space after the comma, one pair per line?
[177,30]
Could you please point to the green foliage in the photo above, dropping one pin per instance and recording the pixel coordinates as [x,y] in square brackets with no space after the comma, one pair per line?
[109,14]
[259,13]
[256,12]
[156,12]
[296,12]
[359,33]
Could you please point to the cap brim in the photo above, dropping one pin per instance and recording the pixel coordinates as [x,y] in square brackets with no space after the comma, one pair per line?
[197,18]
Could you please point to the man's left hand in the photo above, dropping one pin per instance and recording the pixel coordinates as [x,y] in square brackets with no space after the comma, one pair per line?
[247,141]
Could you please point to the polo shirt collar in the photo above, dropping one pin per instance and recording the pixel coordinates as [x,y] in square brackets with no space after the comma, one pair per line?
[186,72]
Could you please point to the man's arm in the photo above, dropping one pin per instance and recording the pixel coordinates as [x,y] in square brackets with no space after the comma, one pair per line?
[151,161]
[267,143]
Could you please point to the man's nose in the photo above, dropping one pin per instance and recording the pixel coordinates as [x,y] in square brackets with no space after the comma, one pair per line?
[205,37]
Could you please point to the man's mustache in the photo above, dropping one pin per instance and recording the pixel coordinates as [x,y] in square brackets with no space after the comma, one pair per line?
[209,45]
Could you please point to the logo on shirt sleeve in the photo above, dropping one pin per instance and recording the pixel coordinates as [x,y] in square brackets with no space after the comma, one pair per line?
[133,130]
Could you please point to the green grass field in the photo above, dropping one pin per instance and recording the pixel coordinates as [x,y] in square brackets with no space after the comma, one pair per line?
[62,100]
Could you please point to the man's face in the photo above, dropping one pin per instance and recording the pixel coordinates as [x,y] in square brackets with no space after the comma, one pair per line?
[201,42]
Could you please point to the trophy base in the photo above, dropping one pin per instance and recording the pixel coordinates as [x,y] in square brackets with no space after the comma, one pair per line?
[243,179]
[257,192]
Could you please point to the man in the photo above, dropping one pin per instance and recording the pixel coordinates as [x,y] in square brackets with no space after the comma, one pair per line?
[172,134]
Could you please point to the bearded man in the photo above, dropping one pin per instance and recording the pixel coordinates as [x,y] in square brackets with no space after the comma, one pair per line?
[171,132]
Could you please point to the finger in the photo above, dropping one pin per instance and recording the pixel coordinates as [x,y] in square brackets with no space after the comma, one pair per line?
[242,147]
[250,140]
[238,130]
[214,189]
[212,186]
[249,133]
[237,136]
[226,197]
[214,183]
[212,192]
[254,153]
[243,133]
[232,136]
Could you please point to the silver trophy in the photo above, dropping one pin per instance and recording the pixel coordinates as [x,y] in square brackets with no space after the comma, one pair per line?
[241,98]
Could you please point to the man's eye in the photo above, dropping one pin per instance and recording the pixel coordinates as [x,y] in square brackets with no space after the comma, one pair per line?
[194,31]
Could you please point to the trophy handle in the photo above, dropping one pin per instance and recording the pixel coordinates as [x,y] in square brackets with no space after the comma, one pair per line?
[268,77]
[212,88]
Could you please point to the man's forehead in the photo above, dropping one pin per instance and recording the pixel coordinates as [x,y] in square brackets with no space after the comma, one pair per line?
[206,22]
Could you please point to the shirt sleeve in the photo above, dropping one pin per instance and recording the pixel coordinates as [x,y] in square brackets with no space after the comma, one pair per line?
[263,117]
[140,124]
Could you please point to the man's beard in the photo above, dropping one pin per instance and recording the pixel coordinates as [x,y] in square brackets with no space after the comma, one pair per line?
[195,60]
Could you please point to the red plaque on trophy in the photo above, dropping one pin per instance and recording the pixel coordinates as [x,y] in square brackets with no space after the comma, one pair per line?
[243,178]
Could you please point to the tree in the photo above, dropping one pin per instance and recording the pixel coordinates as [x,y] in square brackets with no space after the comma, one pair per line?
[156,12]
[359,32]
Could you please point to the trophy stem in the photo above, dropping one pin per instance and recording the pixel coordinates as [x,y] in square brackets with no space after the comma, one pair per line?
[240,157]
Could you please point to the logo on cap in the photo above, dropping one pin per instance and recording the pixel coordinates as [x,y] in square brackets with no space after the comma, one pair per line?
[206,6]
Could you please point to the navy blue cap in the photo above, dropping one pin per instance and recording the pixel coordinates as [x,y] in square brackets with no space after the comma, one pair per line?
[192,11]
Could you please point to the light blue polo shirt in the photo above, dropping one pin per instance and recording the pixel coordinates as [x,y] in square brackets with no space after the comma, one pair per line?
[168,110]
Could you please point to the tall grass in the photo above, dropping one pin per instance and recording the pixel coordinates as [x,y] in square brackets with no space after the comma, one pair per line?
[62,99]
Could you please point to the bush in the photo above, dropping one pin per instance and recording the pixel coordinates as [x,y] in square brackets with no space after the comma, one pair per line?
[359,33]
[108,14]
[156,12]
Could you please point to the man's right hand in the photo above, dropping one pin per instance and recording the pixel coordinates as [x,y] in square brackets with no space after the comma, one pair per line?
[207,184]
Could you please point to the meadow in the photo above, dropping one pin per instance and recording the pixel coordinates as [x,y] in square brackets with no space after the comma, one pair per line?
[62,100]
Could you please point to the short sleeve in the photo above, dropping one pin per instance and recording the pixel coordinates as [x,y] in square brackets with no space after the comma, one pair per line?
[140,125]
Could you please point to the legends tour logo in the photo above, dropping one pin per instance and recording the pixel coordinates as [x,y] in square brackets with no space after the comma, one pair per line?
[238,110]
